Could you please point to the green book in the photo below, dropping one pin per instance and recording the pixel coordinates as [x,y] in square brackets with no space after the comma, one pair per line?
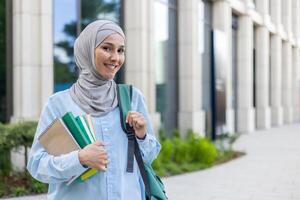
[83,126]
[87,127]
[81,138]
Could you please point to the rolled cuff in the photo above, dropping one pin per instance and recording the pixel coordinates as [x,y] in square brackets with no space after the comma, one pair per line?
[71,165]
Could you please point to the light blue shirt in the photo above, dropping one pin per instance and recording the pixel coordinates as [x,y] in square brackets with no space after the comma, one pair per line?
[113,184]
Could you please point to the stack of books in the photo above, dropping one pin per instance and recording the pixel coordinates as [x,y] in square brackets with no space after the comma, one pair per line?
[67,134]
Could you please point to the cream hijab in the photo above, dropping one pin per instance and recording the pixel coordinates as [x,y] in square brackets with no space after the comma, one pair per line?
[94,94]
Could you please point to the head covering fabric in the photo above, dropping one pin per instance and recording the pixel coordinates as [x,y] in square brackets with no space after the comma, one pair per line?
[92,92]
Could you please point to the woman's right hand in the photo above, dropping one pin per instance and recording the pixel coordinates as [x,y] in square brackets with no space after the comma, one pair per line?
[94,156]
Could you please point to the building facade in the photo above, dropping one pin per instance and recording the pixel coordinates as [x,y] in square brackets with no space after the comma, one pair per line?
[211,66]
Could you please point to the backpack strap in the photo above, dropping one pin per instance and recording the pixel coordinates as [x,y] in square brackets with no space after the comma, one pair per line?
[124,93]
[124,101]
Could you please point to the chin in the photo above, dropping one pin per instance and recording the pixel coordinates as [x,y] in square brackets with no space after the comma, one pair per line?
[110,77]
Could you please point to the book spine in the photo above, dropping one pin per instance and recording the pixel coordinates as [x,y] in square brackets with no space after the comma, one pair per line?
[84,131]
[84,125]
[87,174]
[90,124]
[75,130]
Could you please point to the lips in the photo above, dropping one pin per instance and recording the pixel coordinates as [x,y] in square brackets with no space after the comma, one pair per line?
[110,66]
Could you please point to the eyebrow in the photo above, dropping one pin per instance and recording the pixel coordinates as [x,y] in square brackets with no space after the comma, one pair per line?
[111,44]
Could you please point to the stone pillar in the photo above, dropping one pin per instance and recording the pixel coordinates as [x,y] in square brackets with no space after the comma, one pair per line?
[139,66]
[262,6]
[287,16]
[249,4]
[298,86]
[32,63]
[190,109]
[222,21]
[263,115]
[295,84]
[245,112]
[295,65]
[276,80]
[287,82]
[295,18]
[46,48]
[32,57]
[276,12]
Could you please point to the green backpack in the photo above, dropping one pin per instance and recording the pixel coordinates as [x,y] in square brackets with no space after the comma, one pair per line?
[154,187]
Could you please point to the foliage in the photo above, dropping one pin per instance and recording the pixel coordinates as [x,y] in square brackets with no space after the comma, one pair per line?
[19,191]
[62,73]
[19,184]
[177,155]
[14,136]
[192,153]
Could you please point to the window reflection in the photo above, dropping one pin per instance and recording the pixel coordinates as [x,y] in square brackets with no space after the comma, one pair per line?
[166,63]
[70,17]
[99,9]
[205,46]
[64,36]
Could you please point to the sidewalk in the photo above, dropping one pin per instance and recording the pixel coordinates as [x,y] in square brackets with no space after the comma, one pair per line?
[269,171]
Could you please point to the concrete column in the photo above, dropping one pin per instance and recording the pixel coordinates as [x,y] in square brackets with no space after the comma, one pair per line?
[32,63]
[286,82]
[276,12]
[222,21]
[32,57]
[46,87]
[249,3]
[263,115]
[262,6]
[190,110]
[295,84]
[137,44]
[295,18]
[287,16]
[151,85]
[298,23]
[276,80]
[245,112]
[139,66]
[298,86]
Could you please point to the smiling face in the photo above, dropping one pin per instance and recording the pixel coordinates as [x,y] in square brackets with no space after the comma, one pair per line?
[110,56]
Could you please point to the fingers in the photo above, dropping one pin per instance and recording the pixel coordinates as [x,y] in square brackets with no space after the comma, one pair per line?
[135,119]
[94,155]
[102,164]
[99,143]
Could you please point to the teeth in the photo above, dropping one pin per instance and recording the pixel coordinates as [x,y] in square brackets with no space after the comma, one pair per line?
[111,66]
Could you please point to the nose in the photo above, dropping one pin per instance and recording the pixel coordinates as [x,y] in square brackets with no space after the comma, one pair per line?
[114,56]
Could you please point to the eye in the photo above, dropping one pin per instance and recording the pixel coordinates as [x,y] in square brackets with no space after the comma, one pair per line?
[105,48]
[121,51]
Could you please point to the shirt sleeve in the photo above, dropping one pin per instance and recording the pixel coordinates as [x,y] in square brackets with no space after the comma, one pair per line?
[48,168]
[149,146]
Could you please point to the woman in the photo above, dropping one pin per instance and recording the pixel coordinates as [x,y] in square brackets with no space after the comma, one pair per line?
[99,54]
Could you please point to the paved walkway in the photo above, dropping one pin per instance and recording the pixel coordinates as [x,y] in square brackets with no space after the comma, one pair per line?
[269,171]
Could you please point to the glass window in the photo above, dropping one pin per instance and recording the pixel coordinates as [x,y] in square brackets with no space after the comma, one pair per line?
[70,17]
[166,62]
[100,9]
[205,47]
[234,64]
[65,18]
